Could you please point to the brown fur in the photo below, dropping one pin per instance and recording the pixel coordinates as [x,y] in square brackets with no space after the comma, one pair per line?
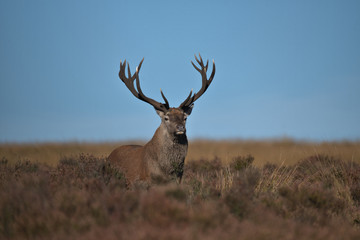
[162,157]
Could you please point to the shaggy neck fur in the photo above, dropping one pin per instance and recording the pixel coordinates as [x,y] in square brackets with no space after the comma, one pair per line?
[171,151]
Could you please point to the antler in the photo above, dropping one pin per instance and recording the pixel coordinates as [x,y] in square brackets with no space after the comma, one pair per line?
[129,82]
[205,82]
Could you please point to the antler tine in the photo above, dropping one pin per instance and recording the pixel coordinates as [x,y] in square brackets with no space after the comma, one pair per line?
[155,104]
[129,82]
[138,68]
[184,103]
[201,63]
[205,81]
[196,58]
[212,73]
[125,79]
[198,69]
[129,72]
[166,101]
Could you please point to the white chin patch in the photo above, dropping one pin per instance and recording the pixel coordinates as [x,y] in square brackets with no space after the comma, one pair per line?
[179,132]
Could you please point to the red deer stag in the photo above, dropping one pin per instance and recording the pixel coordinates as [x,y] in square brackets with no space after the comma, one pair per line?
[163,156]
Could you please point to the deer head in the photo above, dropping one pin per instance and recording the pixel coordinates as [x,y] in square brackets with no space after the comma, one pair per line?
[173,119]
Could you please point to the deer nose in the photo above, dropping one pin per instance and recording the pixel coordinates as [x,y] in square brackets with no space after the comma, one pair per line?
[180,129]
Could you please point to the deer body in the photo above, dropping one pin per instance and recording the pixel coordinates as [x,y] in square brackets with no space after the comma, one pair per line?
[164,155]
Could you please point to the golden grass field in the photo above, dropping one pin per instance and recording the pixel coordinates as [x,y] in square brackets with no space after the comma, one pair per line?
[282,151]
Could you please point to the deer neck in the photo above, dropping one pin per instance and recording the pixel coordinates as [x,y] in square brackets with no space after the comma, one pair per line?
[167,148]
[165,153]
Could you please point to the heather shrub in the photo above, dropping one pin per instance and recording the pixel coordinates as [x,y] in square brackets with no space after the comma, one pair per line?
[317,167]
[240,163]
[273,177]
[85,197]
[317,191]
[4,170]
[25,167]
[36,200]
[329,173]
[240,197]
[88,171]
[314,204]
[24,202]
[204,178]
[160,210]
[177,193]
[353,179]
[204,166]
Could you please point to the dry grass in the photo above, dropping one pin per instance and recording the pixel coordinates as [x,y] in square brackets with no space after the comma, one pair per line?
[84,197]
[51,153]
[285,152]
[277,151]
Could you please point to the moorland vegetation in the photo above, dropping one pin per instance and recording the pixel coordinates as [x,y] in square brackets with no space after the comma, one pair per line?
[83,197]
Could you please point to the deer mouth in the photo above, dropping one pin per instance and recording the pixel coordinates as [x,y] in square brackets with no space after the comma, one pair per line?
[179,132]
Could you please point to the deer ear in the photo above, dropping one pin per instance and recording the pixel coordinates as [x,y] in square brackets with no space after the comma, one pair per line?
[160,113]
[188,109]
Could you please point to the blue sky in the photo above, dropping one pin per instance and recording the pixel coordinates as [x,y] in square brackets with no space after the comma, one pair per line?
[283,68]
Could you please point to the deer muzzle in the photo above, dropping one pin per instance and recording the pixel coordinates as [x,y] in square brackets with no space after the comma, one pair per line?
[180,129]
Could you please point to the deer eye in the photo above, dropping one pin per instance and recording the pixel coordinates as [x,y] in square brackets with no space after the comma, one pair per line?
[166,118]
